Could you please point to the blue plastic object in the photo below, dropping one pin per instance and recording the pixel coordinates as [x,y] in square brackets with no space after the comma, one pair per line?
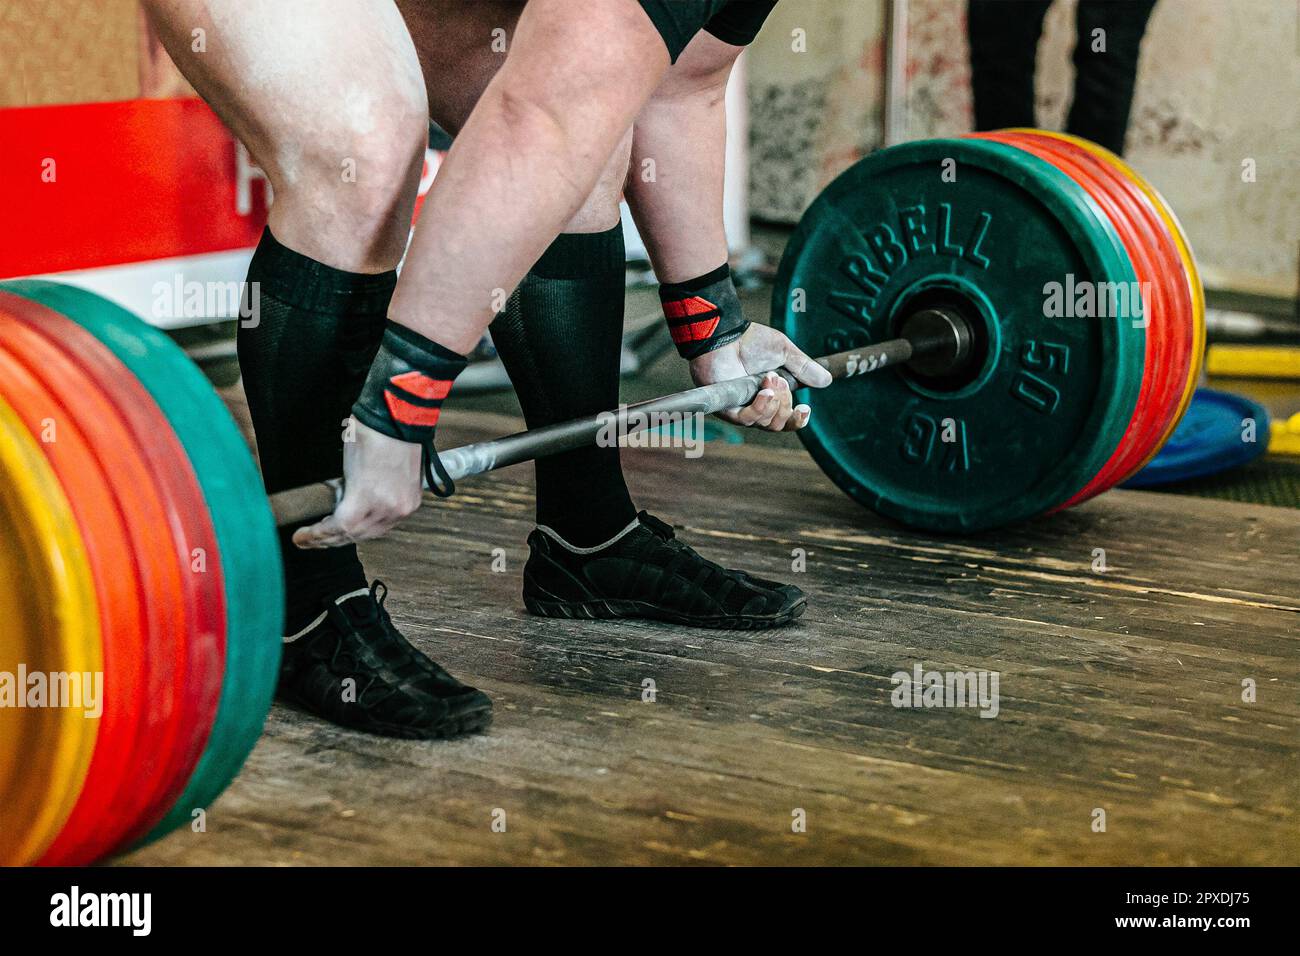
[1212,437]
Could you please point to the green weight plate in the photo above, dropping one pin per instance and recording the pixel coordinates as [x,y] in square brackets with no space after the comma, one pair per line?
[981,228]
[240,515]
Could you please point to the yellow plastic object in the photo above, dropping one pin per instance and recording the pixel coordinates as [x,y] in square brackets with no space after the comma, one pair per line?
[1190,270]
[1285,437]
[1254,361]
[50,627]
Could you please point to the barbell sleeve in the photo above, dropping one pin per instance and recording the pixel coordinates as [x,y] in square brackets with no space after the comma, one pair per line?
[317,500]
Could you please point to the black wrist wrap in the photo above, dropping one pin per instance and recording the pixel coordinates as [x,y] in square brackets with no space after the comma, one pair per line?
[704,313]
[403,394]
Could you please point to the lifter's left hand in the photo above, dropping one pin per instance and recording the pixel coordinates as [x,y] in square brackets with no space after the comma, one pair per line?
[762,349]
[382,484]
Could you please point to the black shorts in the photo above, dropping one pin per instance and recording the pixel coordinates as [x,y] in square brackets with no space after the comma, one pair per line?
[732,21]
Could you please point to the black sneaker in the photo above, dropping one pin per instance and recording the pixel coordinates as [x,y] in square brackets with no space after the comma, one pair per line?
[644,571]
[397,691]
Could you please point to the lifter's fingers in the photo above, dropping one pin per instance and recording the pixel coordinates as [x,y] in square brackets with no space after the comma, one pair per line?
[781,407]
[804,367]
[780,420]
[798,418]
[326,533]
[763,405]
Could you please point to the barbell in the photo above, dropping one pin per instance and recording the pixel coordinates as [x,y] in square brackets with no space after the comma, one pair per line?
[932,339]
[1013,321]
[1052,397]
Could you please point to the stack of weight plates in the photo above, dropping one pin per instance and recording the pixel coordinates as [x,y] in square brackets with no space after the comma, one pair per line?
[1084,301]
[142,601]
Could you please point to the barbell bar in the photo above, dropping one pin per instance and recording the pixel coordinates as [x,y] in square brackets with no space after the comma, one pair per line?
[932,341]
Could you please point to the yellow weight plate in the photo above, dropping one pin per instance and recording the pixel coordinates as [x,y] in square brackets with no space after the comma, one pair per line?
[1189,267]
[51,627]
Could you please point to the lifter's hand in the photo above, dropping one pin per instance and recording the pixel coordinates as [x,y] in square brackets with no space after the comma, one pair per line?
[382,484]
[762,349]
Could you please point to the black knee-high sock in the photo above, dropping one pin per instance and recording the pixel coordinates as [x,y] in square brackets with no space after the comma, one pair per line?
[560,339]
[304,356]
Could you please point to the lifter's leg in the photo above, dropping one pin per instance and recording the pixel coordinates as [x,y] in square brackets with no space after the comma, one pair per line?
[336,119]
[560,334]
[330,101]
[560,337]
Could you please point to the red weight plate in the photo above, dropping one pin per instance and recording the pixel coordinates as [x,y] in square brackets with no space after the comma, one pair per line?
[86,472]
[1140,425]
[1152,412]
[1180,329]
[1170,319]
[1194,295]
[189,663]
[202,650]
[187,658]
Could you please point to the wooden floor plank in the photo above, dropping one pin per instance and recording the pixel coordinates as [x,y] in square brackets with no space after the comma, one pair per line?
[1119,690]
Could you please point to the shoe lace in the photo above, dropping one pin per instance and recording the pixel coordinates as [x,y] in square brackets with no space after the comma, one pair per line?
[658,527]
[664,531]
[376,631]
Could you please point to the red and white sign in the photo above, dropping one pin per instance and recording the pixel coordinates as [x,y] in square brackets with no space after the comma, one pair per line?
[134,200]
[133,197]
[103,184]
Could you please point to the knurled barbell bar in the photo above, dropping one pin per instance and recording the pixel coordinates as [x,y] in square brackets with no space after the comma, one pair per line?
[932,342]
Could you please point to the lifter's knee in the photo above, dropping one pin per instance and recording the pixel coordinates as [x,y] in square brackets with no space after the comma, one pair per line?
[346,191]
[600,210]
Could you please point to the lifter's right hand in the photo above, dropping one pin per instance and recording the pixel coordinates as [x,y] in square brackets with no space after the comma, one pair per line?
[382,484]
[763,349]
